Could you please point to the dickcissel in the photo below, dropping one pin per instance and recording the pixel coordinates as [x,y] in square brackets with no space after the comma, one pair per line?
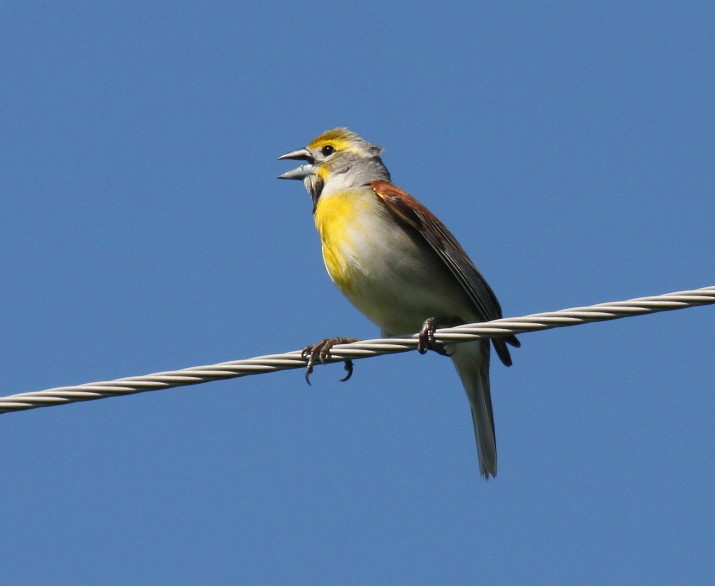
[399,265]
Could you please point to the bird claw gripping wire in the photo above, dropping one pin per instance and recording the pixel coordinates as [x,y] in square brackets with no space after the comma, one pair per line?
[426,340]
[320,352]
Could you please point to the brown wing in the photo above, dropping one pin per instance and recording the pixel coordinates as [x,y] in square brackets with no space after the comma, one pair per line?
[407,209]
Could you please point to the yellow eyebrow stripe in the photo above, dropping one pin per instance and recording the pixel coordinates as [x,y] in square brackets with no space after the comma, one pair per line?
[339,144]
[341,138]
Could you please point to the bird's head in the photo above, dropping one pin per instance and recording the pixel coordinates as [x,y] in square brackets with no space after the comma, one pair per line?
[336,160]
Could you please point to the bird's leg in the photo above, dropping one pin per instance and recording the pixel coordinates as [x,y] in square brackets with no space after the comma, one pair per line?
[321,352]
[426,340]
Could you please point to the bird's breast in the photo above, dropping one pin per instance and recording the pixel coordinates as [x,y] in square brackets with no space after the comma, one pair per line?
[351,225]
[385,269]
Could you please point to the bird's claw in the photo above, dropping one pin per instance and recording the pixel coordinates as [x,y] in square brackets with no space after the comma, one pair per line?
[348,366]
[320,353]
[426,340]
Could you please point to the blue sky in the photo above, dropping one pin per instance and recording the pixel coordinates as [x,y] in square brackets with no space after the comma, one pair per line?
[569,147]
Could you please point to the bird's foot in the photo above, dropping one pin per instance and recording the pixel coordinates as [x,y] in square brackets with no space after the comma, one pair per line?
[426,340]
[320,352]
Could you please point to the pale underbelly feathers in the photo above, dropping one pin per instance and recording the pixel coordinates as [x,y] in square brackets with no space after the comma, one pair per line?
[390,274]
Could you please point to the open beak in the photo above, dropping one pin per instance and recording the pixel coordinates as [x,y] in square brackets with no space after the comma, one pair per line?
[302,171]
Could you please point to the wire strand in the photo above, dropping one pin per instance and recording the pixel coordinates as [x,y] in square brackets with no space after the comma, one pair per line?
[356,350]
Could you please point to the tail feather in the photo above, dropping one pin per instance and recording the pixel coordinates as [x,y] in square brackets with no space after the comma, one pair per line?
[502,350]
[472,363]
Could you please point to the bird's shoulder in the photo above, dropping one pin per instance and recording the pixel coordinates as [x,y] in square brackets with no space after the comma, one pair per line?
[402,204]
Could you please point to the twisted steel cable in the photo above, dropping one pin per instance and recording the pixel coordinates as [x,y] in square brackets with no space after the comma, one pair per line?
[362,349]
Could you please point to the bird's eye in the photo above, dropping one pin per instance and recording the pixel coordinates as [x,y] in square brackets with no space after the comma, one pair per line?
[327,150]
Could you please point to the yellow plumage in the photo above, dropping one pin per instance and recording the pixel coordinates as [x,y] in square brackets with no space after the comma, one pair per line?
[336,218]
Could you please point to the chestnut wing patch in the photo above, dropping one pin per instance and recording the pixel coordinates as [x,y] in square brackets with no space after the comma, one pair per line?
[413,213]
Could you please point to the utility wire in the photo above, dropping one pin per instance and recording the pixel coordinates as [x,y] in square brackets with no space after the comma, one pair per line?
[356,350]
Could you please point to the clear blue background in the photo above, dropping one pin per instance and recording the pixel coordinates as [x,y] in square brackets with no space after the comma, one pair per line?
[570,148]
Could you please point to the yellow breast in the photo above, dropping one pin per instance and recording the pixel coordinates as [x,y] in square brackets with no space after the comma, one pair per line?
[342,220]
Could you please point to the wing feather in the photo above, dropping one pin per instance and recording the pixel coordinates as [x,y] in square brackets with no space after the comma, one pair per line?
[410,211]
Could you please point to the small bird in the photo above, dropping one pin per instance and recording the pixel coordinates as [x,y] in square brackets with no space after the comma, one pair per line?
[399,265]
